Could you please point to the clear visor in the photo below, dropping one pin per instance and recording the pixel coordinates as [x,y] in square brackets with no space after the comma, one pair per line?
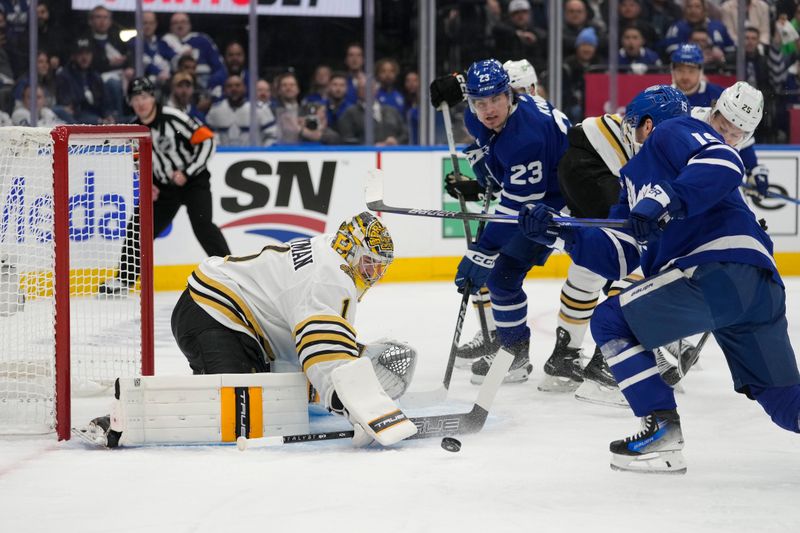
[489,103]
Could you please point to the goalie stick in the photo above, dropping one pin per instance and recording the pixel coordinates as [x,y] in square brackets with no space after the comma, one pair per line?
[374,198]
[427,426]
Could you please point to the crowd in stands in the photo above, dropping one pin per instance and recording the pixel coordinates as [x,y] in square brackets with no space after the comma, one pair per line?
[83,71]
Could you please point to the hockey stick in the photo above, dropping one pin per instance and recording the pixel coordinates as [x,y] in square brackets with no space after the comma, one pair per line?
[427,426]
[451,147]
[374,197]
[684,364]
[775,195]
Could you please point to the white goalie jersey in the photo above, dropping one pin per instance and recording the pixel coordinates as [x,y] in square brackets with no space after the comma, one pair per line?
[297,300]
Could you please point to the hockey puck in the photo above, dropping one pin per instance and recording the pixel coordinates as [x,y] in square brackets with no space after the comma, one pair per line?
[451,445]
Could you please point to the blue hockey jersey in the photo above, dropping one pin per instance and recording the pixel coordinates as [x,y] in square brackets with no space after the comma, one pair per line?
[717,224]
[523,157]
[706,95]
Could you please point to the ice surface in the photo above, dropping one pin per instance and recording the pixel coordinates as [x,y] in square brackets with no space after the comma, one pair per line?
[540,464]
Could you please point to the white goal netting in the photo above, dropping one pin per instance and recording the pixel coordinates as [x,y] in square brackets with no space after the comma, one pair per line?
[104,330]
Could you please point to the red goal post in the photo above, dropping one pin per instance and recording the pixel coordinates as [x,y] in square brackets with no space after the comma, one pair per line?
[67,202]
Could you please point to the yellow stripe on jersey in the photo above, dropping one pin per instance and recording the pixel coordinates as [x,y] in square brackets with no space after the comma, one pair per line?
[612,139]
[333,337]
[248,314]
[575,304]
[325,318]
[570,320]
[202,299]
[325,357]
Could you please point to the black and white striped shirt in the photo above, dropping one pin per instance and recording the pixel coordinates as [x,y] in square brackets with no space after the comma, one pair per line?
[179,143]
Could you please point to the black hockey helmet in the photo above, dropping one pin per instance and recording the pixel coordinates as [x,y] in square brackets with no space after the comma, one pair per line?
[140,86]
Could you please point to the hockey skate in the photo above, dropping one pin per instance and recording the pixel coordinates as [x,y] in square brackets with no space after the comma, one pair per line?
[114,287]
[675,359]
[655,449]
[520,369]
[468,353]
[563,369]
[599,385]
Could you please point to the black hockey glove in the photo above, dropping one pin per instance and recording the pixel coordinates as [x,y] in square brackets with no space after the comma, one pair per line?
[457,185]
[449,88]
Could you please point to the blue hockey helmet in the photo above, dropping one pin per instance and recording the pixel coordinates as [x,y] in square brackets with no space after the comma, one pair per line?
[688,54]
[487,78]
[658,103]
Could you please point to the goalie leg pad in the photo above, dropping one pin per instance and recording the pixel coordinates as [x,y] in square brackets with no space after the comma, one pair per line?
[368,405]
[207,409]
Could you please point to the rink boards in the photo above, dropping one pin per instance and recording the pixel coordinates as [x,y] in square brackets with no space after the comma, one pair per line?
[273,195]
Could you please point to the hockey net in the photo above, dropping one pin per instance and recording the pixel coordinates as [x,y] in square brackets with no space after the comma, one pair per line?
[67,197]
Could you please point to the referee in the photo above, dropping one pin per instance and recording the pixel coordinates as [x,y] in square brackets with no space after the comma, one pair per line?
[182,148]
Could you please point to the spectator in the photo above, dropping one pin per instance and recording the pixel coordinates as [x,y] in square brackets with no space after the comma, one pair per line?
[235,60]
[335,97]
[633,55]
[757,74]
[230,117]
[6,72]
[573,86]
[182,96]
[318,86]
[694,16]
[46,80]
[314,125]
[411,108]
[108,57]
[757,17]
[156,67]
[354,61]
[630,14]
[182,41]
[520,37]
[714,59]
[16,18]
[467,29]
[287,108]
[389,126]
[687,76]
[51,36]
[22,114]
[80,96]
[264,93]
[661,14]
[576,19]
[386,72]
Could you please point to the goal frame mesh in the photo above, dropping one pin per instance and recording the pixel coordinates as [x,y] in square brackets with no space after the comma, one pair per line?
[61,138]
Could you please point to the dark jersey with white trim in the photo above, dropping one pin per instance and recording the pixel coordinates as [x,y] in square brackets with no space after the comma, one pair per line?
[718,225]
[179,143]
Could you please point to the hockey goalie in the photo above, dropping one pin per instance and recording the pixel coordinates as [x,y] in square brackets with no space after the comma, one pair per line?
[279,316]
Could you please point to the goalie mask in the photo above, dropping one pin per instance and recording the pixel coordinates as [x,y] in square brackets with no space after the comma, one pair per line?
[364,242]
[742,105]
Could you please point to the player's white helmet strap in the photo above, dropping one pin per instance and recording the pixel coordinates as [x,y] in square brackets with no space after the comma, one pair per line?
[743,106]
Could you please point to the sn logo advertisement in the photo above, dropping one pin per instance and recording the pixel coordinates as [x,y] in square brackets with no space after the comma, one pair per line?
[281,200]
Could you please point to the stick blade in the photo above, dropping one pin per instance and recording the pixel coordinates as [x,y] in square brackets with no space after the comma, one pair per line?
[373,189]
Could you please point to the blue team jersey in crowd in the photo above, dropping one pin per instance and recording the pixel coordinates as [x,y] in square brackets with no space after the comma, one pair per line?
[705,175]
[706,95]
